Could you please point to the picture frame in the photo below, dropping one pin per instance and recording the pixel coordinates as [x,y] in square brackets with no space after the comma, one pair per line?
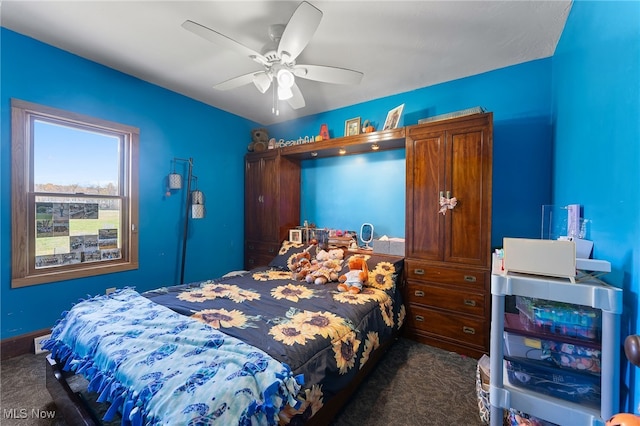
[352,127]
[295,236]
[393,118]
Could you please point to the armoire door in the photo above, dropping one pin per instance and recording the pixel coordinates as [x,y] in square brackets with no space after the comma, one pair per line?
[468,179]
[425,179]
[253,191]
[450,160]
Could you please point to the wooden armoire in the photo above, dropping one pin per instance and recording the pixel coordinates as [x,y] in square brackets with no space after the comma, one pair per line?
[448,251]
[271,204]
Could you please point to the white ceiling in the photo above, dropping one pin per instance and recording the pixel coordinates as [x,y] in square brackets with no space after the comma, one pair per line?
[398,45]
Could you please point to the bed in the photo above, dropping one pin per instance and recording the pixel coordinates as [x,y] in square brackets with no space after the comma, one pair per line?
[253,347]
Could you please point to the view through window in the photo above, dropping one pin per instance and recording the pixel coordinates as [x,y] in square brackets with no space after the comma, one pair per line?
[75,201]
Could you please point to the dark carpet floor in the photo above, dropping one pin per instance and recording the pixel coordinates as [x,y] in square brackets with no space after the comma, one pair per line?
[413,384]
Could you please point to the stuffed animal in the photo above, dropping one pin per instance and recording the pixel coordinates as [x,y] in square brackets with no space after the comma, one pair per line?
[333,254]
[624,419]
[259,140]
[300,265]
[356,277]
[327,271]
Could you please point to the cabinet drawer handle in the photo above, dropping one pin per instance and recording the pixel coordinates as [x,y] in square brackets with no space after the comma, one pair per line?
[470,278]
[469,330]
[419,318]
[469,302]
[419,293]
[418,271]
[271,250]
[251,247]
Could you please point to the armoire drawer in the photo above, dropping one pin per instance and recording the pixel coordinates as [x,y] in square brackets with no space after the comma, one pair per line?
[472,303]
[259,253]
[417,270]
[253,260]
[462,328]
[261,247]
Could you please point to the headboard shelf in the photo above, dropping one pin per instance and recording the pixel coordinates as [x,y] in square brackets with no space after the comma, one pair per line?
[358,144]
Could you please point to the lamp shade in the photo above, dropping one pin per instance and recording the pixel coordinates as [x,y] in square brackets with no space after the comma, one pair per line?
[285,78]
[284,93]
[262,81]
[197,197]
[175,181]
[197,211]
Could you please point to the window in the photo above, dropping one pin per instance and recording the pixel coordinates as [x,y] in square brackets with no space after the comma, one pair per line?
[74,195]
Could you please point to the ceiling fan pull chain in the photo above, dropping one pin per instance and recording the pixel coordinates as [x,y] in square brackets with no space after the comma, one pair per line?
[275,102]
[275,109]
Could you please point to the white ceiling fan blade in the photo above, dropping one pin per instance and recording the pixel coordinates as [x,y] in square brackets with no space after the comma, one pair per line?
[241,80]
[298,32]
[223,41]
[297,100]
[328,74]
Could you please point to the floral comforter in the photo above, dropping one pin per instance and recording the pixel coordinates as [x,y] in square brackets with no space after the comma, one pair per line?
[157,367]
[320,333]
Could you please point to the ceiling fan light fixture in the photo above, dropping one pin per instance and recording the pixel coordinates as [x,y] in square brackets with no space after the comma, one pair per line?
[262,82]
[284,93]
[285,78]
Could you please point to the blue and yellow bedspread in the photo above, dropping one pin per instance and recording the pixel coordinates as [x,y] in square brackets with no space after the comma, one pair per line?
[321,333]
[157,367]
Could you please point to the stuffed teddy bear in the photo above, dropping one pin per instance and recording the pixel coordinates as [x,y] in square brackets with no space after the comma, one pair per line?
[326,266]
[300,265]
[259,140]
[356,277]
[328,271]
[333,254]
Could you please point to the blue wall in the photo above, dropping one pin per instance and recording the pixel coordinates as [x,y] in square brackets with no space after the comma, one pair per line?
[520,99]
[340,193]
[596,108]
[170,126]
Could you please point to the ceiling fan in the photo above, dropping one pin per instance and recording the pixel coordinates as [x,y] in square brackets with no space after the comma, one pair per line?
[278,58]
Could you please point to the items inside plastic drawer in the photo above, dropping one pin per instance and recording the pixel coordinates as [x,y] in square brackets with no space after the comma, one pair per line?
[518,418]
[559,383]
[575,357]
[553,352]
[564,319]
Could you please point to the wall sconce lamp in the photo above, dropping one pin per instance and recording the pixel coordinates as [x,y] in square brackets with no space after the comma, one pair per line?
[195,208]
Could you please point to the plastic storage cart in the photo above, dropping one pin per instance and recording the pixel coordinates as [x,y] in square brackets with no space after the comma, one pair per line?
[588,292]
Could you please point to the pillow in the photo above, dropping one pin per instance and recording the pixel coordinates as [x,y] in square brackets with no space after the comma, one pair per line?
[385,272]
[287,251]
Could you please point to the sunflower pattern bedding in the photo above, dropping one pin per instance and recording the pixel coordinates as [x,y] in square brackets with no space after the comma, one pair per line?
[323,335]
[156,367]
